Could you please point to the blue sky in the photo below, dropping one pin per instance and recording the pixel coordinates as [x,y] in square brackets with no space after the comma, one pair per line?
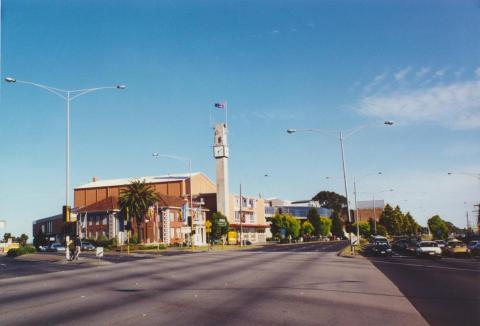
[332,65]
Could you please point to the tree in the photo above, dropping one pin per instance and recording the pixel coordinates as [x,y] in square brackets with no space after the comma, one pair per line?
[381,230]
[40,239]
[135,200]
[337,228]
[218,228]
[22,240]
[332,200]
[387,219]
[325,226]
[438,227]
[7,236]
[307,228]
[314,219]
[363,228]
[287,223]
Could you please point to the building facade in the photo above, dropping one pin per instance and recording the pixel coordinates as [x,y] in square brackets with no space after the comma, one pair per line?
[367,210]
[98,213]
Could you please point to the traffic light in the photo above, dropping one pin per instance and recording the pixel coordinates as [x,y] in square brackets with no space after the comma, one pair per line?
[66,211]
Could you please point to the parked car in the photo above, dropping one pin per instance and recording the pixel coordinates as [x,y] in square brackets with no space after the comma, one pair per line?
[475,251]
[87,246]
[456,248]
[472,244]
[42,248]
[56,247]
[381,249]
[441,244]
[428,248]
[378,239]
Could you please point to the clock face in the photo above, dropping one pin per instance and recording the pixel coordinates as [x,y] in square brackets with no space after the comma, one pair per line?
[218,151]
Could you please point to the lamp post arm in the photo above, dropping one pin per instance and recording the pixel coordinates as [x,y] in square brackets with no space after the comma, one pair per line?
[81,92]
[355,130]
[322,131]
[59,92]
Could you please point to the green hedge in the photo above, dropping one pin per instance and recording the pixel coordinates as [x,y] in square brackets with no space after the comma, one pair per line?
[151,246]
[21,251]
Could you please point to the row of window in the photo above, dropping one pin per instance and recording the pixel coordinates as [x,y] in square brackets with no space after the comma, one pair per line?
[249,217]
[246,202]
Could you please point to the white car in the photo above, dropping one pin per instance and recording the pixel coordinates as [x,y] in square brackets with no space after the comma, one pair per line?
[428,248]
[56,247]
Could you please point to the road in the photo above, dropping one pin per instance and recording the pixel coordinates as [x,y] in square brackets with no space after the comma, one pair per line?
[445,292]
[304,284]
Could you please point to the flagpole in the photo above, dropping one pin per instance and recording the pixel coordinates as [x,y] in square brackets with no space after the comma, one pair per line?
[226,114]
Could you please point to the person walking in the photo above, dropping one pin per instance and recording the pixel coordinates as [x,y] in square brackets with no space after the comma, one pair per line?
[78,248]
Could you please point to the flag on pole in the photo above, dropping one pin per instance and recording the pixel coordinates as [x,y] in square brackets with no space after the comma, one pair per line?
[220,105]
[184,213]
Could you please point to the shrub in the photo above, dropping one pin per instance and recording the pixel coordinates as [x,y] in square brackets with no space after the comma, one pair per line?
[21,251]
[151,246]
[134,238]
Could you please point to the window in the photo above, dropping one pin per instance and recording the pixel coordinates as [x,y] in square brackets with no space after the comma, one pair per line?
[90,221]
[43,228]
[97,220]
[237,216]
[105,222]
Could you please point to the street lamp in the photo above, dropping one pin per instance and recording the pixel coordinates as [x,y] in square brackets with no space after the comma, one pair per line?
[189,161]
[349,133]
[67,95]
[468,174]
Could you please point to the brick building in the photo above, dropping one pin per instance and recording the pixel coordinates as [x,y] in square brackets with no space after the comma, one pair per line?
[96,205]
[366,210]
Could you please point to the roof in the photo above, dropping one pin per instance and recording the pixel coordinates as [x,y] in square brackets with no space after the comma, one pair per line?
[170,201]
[108,204]
[126,181]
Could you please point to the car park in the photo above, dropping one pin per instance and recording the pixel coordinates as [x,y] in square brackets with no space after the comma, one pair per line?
[456,248]
[428,248]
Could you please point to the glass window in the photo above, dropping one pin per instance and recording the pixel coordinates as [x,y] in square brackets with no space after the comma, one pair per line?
[105,222]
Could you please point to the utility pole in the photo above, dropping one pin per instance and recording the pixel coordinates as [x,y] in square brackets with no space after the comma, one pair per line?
[241,225]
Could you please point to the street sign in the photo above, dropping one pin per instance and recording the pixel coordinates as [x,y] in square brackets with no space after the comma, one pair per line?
[99,252]
[222,223]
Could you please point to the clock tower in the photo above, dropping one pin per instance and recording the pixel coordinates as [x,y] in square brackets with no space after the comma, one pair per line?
[220,152]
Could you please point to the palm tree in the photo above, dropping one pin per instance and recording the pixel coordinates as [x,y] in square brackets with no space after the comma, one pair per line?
[135,200]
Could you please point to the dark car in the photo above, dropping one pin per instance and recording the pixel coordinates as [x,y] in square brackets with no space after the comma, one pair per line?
[381,249]
[87,246]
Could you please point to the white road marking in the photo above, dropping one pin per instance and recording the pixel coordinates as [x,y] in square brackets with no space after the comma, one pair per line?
[428,266]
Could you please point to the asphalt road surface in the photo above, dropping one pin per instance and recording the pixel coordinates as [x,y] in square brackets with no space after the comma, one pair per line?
[445,292]
[304,284]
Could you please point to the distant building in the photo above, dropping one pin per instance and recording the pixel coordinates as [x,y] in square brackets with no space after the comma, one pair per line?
[366,209]
[253,225]
[299,209]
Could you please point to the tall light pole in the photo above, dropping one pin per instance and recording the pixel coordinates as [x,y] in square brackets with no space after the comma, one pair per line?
[68,96]
[189,161]
[349,133]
